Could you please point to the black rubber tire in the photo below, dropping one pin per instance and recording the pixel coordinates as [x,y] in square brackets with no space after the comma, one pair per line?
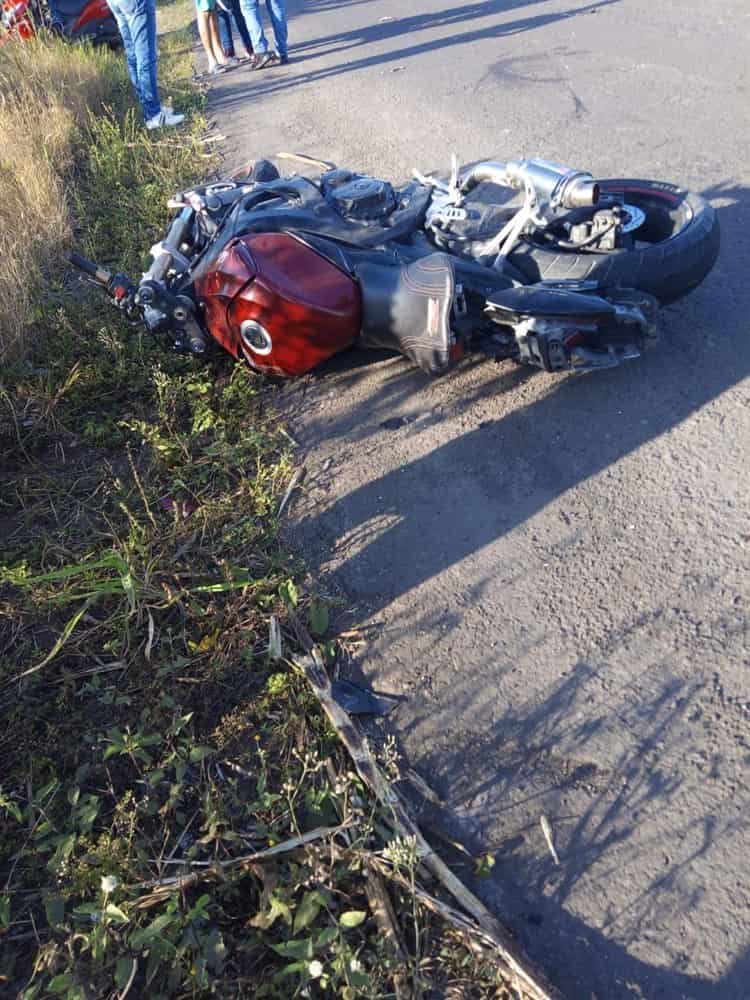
[667,270]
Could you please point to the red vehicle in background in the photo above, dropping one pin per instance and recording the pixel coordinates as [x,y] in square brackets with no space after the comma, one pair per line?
[89,20]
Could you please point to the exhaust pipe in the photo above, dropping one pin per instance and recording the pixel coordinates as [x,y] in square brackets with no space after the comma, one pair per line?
[554,184]
[559,186]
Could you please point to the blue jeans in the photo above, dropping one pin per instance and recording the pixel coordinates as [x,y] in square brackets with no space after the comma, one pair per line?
[136,20]
[277,13]
[225,26]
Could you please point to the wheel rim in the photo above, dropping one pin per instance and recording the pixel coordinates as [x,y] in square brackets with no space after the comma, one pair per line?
[667,213]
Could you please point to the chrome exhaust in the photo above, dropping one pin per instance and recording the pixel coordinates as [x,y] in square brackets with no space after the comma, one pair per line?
[559,186]
[554,184]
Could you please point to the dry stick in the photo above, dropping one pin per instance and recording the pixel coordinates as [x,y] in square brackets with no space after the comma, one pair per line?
[382,909]
[547,831]
[217,870]
[310,160]
[131,980]
[297,478]
[450,913]
[314,670]
[476,939]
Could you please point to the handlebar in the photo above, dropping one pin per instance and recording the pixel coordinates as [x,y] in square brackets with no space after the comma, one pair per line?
[117,286]
[98,274]
[161,309]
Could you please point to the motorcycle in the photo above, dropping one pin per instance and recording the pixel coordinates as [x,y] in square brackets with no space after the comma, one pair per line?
[526,259]
[82,20]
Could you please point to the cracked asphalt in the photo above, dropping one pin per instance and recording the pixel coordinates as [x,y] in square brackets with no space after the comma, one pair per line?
[552,571]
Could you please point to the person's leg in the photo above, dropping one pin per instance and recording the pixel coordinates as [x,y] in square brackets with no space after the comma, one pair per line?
[277,13]
[136,20]
[127,44]
[224,18]
[201,17]
[209,35]
[146,45]
[251,13]
[239,20]
[213,29]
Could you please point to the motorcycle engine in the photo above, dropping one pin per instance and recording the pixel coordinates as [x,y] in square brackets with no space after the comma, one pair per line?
[359,198]
[464,230]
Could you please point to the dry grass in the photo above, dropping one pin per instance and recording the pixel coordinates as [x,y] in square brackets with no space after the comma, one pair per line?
[47,92]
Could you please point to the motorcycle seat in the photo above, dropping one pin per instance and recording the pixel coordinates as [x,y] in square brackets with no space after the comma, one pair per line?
[408,309]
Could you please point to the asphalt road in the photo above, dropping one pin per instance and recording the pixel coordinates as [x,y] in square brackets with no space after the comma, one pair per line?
[558,566]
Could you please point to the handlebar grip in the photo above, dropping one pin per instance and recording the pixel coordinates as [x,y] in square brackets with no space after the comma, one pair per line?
[99,274]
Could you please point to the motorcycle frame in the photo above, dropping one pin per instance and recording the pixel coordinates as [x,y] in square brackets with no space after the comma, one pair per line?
[167,295]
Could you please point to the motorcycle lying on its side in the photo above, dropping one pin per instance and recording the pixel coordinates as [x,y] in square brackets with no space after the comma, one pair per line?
[526,260]
[82,20]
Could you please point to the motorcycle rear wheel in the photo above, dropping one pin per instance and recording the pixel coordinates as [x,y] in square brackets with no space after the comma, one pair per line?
[676,246]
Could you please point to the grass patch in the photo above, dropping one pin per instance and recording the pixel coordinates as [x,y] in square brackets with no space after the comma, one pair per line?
[47,100]
[67,112]
[177,817]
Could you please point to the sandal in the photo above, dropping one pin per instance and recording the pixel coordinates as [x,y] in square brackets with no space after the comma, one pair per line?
[263,60]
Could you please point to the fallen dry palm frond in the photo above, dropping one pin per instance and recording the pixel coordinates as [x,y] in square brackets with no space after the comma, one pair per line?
[382,909]
[475,920]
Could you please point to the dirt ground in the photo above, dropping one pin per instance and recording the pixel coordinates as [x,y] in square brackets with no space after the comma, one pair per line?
[557,566]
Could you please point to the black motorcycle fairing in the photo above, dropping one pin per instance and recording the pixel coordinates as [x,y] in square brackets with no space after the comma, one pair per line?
[474,284]
[408,309]
[70,9]
[296,204]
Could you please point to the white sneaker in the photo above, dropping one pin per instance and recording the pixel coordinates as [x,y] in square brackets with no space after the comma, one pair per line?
[165,119]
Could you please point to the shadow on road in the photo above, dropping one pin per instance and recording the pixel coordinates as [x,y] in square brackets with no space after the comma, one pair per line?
[409,522]
[591,961]
[226,95]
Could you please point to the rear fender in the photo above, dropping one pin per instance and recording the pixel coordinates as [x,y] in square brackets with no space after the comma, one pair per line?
[514,304]
[559,329]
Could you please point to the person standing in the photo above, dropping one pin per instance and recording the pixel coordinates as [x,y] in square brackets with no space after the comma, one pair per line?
[277,14]
[226,10]
[208,29]
[136,20]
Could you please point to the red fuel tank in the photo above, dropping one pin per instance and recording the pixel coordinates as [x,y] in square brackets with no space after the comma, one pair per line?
[275,301]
